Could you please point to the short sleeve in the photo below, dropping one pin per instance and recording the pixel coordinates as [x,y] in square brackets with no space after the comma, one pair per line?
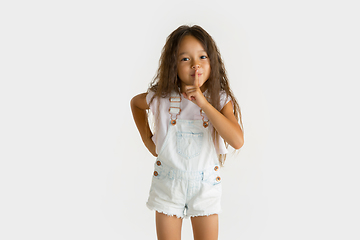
[224,99]
[149,95]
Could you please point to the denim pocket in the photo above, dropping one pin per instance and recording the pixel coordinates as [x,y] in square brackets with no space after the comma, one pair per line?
[189,144]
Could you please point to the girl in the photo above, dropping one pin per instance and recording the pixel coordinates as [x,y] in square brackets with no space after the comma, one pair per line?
[196,114]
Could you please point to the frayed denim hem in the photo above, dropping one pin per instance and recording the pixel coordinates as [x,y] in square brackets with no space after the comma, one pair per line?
[203,214]
[160,210]
[164,212]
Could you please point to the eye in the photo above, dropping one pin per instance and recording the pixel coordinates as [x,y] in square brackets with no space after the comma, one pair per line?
[185,59]
[203,57]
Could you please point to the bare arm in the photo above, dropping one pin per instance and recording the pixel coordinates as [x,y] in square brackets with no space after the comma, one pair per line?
[138,107]
[225,124]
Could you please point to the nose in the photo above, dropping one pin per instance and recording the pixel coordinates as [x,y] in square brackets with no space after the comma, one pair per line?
[196,66]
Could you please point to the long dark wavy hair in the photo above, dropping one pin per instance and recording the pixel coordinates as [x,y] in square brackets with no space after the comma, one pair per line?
[166,79]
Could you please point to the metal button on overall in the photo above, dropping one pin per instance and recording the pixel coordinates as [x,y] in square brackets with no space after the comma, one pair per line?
[155,173]
[158,163]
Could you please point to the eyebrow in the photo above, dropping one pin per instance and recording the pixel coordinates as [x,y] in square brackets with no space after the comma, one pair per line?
[186,52]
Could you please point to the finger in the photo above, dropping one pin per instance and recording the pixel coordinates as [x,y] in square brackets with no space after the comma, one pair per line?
[196,80]
[189,94]
[184,94]
[190,89]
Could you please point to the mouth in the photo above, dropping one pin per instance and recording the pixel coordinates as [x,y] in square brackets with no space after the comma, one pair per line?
[199,74]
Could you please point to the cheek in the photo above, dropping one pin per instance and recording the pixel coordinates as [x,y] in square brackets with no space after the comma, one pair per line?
[180,71]
[208,70]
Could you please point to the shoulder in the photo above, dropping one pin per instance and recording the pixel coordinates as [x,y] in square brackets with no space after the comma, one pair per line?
[157,103]
[149,96]
[224,98]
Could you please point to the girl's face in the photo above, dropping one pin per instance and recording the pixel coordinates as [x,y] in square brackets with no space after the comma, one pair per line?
[191,57]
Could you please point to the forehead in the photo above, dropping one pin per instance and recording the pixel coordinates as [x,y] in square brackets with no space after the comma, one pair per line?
[190,43]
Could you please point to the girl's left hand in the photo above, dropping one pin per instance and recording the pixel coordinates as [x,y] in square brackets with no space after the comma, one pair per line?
[193,92]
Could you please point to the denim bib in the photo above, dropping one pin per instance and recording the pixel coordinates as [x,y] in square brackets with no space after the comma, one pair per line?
[188,144]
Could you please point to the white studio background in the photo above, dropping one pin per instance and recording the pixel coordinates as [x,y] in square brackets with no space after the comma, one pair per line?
[72,162]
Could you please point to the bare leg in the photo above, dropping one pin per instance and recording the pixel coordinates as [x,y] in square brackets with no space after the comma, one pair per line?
[205,227]
[168,227]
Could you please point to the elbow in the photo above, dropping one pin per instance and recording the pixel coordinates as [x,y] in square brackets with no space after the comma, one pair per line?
[132,101]
[238,144]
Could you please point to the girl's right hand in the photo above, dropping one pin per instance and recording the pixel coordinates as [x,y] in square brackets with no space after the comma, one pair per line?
[138,107]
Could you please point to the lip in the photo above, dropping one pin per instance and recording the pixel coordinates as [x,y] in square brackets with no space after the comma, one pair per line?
[199,74]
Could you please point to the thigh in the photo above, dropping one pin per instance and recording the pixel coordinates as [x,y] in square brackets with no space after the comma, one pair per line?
[205,227]
[168,227]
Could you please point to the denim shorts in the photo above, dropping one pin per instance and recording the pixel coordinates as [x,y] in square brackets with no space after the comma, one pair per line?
[186,194]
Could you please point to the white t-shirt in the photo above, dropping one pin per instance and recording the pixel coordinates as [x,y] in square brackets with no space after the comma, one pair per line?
[189,111]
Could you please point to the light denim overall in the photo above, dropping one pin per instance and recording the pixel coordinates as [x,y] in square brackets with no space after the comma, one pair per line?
[186,180]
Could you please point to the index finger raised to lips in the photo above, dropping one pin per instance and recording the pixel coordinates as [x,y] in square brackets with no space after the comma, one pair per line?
[196,80]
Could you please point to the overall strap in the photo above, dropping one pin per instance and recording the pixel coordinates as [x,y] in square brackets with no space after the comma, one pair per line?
[174,109]
[205,123]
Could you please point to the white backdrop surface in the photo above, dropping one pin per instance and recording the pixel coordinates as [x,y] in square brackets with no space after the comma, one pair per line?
[72,164]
